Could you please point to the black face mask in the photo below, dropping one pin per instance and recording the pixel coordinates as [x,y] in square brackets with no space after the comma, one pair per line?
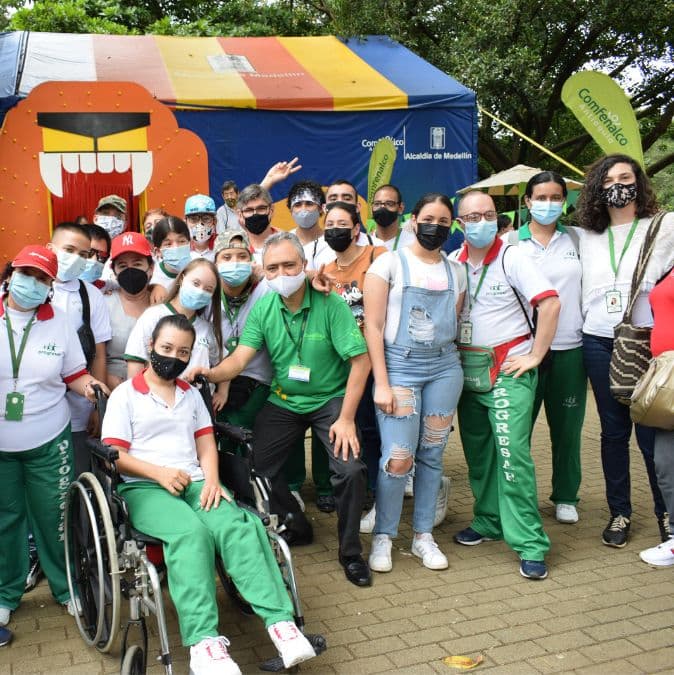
[132,280]
[383,217]
[338,238]
[257,224]
[167,367]
[432,235]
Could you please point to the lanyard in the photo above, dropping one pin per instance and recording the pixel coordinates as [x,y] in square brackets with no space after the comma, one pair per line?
[473,298]
[625,247]
[232,315]
[395,243]
[298,342]
[16,358]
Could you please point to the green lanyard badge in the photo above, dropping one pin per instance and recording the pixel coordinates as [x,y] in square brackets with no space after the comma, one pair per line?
[298,371]
[611,245]
[15,400]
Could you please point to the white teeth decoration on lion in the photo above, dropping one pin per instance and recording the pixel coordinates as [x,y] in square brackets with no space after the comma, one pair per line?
[51,164]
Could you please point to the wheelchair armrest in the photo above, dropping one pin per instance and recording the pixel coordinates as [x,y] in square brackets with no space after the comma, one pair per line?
[233,432]
[102,451]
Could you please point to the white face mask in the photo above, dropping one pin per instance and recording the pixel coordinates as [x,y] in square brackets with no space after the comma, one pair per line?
[70,266]
[287,285]
[111,224]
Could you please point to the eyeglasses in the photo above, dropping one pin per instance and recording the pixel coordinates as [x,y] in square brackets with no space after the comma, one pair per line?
[101,257]
[389,204]
[477,217]
[205,218]
[259,210]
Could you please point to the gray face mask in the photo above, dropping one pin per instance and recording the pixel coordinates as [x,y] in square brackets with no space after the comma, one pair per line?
[306,219]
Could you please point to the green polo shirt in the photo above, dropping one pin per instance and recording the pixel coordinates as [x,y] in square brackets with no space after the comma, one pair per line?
[330,338]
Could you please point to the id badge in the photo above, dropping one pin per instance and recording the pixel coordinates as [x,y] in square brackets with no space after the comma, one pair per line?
[14,406]
[465,332]
[232,344]
[299,373]
[614,302]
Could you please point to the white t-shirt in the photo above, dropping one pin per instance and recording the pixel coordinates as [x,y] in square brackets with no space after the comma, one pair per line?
[161,276]
[598,277]
[208,254]
[122,325]
[204,352]
[496,315]
[324,254]
[406,238]
[52,357]
[560,264]
[422,274]
[259,367]
[149,429]
[67,299]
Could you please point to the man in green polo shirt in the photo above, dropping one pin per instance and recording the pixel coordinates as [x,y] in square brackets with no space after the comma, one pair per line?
[320,364]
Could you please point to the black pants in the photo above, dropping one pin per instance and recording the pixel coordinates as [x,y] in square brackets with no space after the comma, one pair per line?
[276,431]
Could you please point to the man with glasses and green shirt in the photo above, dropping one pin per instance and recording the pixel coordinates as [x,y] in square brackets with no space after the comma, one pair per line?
[319,366]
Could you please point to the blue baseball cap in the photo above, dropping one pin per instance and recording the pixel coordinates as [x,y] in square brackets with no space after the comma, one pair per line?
[199,204]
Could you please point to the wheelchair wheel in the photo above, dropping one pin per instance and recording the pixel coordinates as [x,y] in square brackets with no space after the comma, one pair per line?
[91,561]
[133,662]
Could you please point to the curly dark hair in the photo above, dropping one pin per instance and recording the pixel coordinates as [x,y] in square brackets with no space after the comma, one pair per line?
[310,186]
[591,212]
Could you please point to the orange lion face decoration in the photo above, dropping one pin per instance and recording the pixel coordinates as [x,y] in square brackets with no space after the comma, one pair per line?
[70,143]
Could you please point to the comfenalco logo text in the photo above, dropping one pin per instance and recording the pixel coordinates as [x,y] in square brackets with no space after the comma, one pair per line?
[607,122]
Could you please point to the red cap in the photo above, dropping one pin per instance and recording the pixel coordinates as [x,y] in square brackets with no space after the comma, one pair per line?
[39,257]
[130,242]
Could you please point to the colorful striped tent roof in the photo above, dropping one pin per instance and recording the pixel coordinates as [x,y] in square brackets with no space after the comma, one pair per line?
[272,73]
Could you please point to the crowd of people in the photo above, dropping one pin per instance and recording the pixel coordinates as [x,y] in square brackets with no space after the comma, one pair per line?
[376,341]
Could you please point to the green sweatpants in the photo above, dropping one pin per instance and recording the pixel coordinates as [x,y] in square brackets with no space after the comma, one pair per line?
[33,487]
[295,470]
[191,539]
[495,427]
[562,388]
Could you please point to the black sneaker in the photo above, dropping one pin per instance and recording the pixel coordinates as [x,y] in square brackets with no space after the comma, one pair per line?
[663,526]
[35,572]
[326,503]
[616,531]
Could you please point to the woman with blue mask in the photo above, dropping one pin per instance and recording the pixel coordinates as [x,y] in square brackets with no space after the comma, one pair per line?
[196,295]
[40,359]
[172,251]
[562,383]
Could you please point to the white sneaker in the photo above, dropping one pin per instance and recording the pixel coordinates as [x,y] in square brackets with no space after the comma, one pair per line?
[409,486]
[73,607]
[291,643]
[566,513]
[5,616]
[367,521]
[210,657]
[661,555]
[442,502]
[424,547]
[380,553]
[299,499]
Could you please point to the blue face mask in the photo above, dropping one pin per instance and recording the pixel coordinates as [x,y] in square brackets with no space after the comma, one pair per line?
[177,257]
[92,270]
[71,265]
[481,234]
[545,213]
[235,273]
[193,298]
[27,291]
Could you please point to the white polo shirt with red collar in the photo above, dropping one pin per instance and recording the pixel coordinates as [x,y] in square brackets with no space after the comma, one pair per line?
[142,423]
[52,358]
[496,315]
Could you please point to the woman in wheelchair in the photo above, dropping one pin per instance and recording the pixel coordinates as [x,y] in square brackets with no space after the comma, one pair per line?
[168,461]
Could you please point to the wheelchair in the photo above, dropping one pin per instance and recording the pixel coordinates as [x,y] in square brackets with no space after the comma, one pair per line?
[107,559]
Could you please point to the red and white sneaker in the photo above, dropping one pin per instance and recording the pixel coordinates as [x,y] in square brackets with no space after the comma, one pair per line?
[291,643]
[210,657]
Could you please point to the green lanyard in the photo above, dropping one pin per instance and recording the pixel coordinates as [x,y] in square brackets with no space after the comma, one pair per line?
[232,315]
[625,247]
[395,243]
[16,358]
[473,298]
[298,342]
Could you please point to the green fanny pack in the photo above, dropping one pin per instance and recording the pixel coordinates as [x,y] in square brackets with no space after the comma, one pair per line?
[480,368]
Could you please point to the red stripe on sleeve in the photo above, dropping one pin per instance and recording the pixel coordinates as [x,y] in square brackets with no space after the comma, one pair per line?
[541,296]
[74,376]
[203,432]
[117,441]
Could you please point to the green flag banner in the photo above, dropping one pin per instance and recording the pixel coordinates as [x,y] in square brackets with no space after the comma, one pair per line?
[603,108]
[381,166]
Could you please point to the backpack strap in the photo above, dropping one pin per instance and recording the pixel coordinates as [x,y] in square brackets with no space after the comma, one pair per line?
[86,307]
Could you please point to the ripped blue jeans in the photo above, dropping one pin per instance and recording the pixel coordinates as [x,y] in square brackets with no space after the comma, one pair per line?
[427,385]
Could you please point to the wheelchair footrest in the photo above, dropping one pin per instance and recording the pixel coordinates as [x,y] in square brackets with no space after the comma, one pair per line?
[275,664]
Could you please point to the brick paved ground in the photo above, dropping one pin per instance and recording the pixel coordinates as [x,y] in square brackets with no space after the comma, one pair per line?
[600,611]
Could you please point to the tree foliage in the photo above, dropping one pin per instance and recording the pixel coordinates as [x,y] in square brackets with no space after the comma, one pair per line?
[516,55]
